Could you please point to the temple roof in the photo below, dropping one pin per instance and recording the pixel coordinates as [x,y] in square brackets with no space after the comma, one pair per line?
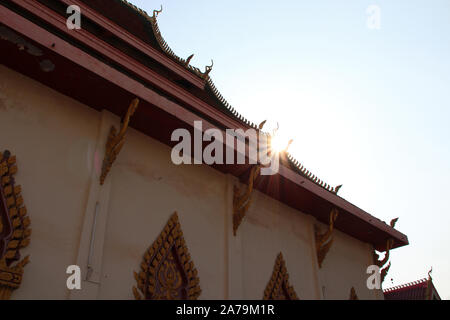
[422,289]
[146,27]
[120,52]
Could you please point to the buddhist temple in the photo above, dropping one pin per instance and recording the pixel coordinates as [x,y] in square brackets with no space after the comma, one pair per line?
[87,119]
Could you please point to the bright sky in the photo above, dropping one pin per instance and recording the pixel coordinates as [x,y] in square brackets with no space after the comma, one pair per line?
[367,108]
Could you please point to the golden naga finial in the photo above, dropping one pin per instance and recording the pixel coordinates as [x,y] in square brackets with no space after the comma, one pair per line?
[208,69]
[325,240]
[116,141]
[188,60]
[242,201]
[157,12]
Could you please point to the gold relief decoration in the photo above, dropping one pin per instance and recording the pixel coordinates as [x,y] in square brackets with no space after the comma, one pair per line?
[167,272]
[353,295]
[14,228]
[242,200]
[116,141]
[325,240]
[382,263]
[278,287]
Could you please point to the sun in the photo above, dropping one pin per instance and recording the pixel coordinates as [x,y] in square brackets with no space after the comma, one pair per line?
[278,144]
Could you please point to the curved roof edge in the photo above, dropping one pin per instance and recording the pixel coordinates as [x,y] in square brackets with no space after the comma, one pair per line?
[300,169]
[209,84]
[164,46]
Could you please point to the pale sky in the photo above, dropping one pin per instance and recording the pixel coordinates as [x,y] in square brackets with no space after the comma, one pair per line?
[367,108]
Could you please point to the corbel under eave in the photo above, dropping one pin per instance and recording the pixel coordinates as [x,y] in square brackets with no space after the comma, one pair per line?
[384,269]
[116,141]
[324,241]
[242,200]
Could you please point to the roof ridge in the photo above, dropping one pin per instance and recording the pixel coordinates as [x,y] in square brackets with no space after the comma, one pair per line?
[228,106]
[164,46]
[308,174]
[406,285]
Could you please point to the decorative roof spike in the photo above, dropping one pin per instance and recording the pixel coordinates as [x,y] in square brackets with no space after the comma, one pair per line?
[393,222]
[261,125]
[157,12]
[208,69]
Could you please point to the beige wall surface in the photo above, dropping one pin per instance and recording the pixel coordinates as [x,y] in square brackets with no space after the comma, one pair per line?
[51,135]
[57,142]
[345,267]
[145,191]
[270,228]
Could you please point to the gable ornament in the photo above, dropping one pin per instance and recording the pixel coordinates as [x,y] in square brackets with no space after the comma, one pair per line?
[278,287]
[167,271]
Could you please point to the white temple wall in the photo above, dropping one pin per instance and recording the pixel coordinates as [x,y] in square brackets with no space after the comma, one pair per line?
[58,143]
[51,136]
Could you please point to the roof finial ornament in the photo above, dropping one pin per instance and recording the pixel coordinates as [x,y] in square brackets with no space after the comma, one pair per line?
[429,273]
[261,125]
[208,69]
[188,60]
[336,190]
[393,222]
[157,12]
